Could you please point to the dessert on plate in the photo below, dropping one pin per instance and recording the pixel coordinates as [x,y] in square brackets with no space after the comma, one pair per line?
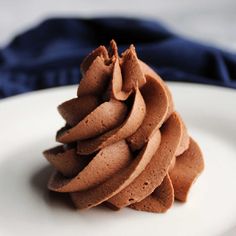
[123,143]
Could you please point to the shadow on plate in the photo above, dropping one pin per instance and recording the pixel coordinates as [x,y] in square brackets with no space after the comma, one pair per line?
[39,183]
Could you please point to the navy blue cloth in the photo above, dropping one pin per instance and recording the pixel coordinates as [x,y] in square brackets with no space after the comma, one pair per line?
[50,54]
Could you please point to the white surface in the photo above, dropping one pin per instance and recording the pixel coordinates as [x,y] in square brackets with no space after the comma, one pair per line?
[28,125]
[211,21]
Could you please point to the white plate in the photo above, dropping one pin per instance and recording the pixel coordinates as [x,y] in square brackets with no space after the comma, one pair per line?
[28,124]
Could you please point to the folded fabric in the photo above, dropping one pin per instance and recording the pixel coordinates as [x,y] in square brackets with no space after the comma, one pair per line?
[50,54]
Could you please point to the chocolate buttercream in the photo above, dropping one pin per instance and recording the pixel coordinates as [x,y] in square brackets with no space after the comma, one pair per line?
[123,142]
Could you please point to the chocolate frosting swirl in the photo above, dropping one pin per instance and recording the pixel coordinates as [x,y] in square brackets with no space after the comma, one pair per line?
[123,142]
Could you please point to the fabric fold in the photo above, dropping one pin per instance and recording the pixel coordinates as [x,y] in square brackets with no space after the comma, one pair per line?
[48,55]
